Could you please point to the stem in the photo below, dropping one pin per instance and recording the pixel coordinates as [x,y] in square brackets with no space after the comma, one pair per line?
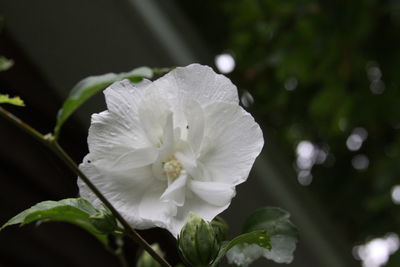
[22,125]
[51,143]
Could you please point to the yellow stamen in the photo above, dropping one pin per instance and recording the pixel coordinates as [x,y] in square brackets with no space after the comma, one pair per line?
[172,168]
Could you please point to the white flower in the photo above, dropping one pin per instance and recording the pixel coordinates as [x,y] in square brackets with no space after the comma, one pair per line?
[165,148]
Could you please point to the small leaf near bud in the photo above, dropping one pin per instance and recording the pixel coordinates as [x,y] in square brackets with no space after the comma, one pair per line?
[197,242]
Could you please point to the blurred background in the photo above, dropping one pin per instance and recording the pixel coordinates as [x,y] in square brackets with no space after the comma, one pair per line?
[321,78]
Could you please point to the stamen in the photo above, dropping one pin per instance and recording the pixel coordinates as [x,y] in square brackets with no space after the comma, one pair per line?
[172,168]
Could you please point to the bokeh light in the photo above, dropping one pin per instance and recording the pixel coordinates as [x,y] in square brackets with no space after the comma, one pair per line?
[376,252]
[247,99]
[396,194]
[225,63]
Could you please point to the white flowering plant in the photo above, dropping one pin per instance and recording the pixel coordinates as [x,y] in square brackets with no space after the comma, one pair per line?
[166,153]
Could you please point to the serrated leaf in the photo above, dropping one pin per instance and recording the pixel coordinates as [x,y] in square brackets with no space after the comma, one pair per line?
[72,210]
[16,100]
[276,222]
[5,63]
[89,86]
[259,238]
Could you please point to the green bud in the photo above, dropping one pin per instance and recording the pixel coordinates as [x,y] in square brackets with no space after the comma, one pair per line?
[146,260]
[104,221]
[220,228]
[197,243]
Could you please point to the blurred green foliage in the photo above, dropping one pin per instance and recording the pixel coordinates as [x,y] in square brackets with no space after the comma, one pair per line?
[340,61]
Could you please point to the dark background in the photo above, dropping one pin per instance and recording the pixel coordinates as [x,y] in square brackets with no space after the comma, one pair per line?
[317,70]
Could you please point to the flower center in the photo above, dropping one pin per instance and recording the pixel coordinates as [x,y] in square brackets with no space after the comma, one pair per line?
[172,168]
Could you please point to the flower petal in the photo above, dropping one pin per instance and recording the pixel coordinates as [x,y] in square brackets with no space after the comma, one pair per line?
[195,124]
[233,141]
[176,191]
[112,137]
[196,82]
[153,114]
[214,193]
[123,99]
[124,191]
[155,211]
[130,160]
[197,206]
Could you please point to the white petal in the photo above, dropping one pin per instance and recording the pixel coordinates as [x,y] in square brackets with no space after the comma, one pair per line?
[176,191]
[168,133]
[155,211]
[110,136]
[196,82]
[185,156]
[214,193]
[123,99]
[195,124]
[233,141]
[123,191]
[197,206]
[153,113]
[127,161]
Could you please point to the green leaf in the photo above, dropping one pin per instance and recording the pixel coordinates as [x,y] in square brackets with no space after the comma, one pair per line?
[283,237]
[271,219]
[72,210]
[5,99]
[89,86]
[5,63]
[260,238]
[104,221]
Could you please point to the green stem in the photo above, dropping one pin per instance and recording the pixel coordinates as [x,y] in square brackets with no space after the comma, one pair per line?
[52,143]
[22,125]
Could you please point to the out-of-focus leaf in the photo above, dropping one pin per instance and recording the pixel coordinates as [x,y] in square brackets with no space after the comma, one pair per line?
[258,238]
[146,260]
[5,63]
[72,210]
[271,219]
[16,100]
[280,229]
[89,86]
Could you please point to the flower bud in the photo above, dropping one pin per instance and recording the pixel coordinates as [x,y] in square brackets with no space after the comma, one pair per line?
[220,228]
[197,243]
[104,221]
[146,260]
